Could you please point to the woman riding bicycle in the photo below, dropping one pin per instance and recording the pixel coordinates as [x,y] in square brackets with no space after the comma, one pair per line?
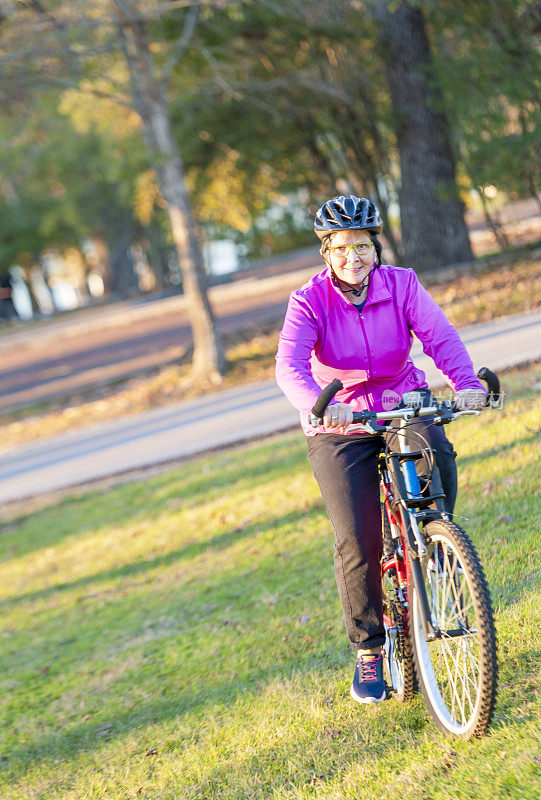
[355,321]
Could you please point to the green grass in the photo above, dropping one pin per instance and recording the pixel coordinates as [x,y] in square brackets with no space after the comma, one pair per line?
[195,614]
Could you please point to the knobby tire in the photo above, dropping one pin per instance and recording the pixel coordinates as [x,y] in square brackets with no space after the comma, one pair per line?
[457,674]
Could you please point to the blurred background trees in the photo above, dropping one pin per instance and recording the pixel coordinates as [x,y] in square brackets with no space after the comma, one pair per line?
[137,134]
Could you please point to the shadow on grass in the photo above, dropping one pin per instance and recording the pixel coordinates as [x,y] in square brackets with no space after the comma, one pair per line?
[218,694]
[143,565]
[198,481]
[497,450]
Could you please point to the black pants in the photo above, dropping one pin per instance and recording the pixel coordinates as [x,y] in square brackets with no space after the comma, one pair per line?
[345,468]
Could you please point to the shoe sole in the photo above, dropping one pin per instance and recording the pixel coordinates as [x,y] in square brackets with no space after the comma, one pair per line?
[367,699]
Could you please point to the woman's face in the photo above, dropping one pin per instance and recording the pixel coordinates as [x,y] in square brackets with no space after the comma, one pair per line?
[353,267]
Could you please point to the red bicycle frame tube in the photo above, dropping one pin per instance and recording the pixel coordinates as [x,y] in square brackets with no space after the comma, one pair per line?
[401,567]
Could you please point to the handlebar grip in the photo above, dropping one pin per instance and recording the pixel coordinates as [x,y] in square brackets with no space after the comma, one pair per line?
[364,417]
[325,397]
[493,383]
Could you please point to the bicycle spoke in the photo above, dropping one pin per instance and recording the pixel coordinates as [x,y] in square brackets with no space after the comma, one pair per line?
[446,586]
[461,668]
[460,673]
[453,690]
[451,605]
[459,664]
[458,593]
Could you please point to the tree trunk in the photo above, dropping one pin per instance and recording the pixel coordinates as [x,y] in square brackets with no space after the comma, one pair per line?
[151,103]
[493,222]
[156,253]
[123,279]
[434,232]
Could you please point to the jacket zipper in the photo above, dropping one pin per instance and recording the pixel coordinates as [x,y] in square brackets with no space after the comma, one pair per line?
[367,347]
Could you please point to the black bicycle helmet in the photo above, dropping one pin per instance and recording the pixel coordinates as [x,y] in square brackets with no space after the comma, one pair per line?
[346,213]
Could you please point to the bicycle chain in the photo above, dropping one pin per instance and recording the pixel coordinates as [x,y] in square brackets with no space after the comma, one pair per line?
[398,618]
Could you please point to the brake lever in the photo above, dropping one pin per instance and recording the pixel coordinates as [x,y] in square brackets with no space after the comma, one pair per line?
[446,415]
[366,427]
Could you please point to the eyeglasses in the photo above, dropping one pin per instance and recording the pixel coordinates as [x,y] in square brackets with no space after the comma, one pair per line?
[360,249]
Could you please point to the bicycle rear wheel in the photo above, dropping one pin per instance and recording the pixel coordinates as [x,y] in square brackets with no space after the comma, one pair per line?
[397,652]
[457,671]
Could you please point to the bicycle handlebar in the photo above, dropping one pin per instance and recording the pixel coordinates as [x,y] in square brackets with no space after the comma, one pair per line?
[445,411]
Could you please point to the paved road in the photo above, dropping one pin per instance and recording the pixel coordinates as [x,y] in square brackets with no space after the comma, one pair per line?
[76,352]
[183,429]
[73,353]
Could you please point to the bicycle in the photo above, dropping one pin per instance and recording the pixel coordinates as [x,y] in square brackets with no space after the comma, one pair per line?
[438,617]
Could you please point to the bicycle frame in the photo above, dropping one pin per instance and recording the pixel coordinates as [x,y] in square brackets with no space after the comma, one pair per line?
[413,549]
[399,561]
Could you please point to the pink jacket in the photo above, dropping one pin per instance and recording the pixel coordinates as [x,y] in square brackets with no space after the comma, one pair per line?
[324,337]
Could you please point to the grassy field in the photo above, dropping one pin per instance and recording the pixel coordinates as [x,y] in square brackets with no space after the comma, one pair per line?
[250,355]
[180,637]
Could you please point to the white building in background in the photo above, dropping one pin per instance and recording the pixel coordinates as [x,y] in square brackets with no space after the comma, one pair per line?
[221,257]
[62,287]
[20,294]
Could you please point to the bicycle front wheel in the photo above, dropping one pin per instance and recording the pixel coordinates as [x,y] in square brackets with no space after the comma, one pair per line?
[457,671]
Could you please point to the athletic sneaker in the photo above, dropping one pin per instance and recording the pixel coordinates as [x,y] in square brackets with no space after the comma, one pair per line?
[368,685]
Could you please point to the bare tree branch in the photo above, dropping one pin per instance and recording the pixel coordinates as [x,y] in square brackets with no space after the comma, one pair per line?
[302,81]
[180,45]
[218,77]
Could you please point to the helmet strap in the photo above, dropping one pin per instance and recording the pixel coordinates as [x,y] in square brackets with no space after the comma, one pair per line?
[377,245]
[357,292]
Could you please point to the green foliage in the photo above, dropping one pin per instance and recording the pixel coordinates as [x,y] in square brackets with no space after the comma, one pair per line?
[489,66]
[267,99]
[59,183]
[298,92]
